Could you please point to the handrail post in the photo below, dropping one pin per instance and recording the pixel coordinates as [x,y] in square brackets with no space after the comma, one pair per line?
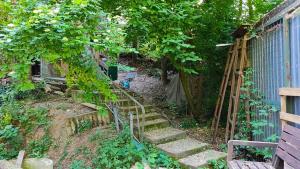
[115,112]
[131,123]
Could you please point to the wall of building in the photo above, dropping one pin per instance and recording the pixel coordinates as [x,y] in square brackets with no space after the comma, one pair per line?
[275,59]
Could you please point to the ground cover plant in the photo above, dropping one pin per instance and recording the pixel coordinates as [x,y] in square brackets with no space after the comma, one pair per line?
[124,152]
[18,122]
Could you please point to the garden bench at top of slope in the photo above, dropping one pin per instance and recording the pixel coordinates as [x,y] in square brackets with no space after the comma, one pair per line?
[287,154]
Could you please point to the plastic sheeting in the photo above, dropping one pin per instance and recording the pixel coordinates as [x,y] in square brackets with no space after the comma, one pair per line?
[175,92]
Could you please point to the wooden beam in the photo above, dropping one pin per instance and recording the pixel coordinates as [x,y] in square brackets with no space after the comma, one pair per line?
[290,117]
[92,106]
[289,92]
[287,53]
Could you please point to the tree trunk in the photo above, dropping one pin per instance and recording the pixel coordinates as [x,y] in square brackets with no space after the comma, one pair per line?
[189,98]
[193,91]
[164,70]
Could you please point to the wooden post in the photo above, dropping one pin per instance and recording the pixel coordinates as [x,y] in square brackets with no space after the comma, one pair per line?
[287,53]
[283,109]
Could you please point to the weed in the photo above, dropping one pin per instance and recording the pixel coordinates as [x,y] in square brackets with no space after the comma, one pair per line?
[218,164]
[10,142]
[96,136]
[85,125]
[62,106]
[79,164]
[64,155]
[38,148]
[189,123]
[123,152]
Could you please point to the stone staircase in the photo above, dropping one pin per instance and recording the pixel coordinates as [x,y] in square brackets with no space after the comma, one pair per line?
[189,152]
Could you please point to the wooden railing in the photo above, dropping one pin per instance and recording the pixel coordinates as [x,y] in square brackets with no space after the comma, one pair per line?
[284,116]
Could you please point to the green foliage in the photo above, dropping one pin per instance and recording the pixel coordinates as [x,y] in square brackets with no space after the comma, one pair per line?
[64,155]
[188,123]
[253,104]
[125,68]
[218,164]
[17,121]
[38,148]
[163,30]
[85,125]
[10,142]
[58,31]
[253,10]
[123,152]
[96,136]
[79,164]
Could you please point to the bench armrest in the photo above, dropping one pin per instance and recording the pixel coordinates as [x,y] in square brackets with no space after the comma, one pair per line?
[232,143]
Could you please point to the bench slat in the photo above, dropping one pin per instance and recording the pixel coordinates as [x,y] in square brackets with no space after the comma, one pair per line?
[239,164]
[292,130]
[289,149]
[291,139]
[288,158]
[233,165]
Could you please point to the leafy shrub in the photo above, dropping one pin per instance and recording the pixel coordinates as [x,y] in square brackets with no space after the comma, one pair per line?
[37,93]
[38,148]
[123,152]
[10,142]
[16,121]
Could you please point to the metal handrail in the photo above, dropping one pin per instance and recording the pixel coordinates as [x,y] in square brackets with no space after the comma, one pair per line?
[141,127]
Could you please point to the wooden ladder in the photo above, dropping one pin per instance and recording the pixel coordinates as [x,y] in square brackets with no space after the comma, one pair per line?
[239,65]
[228,69]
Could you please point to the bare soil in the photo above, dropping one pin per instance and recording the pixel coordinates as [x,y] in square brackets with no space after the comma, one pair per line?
[65,148]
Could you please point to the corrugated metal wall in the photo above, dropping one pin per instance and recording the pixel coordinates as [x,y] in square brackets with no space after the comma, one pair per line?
[266,56]
[295,59]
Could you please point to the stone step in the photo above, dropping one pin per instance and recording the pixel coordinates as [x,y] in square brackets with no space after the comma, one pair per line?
[164,135]
[128,108]
[148,116]
[183,148]
[125,102]
[201,159]
[156,124]
[132,108]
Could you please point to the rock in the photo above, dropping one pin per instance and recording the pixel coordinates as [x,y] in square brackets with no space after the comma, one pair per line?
[34,163]
[48,88]
[4,164]
[59,93]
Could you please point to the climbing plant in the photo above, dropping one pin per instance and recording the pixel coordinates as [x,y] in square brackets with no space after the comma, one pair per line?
[253,117]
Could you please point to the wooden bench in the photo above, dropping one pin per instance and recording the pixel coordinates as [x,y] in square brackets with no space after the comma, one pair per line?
[287,154]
